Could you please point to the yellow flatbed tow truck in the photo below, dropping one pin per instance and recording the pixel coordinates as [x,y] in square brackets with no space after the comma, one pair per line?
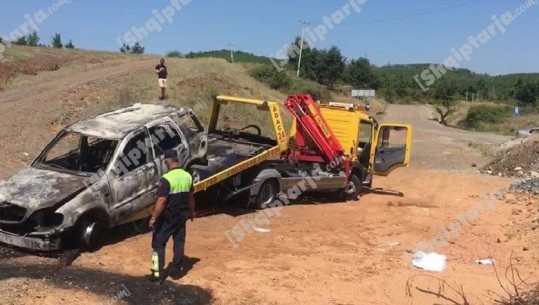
[264,169]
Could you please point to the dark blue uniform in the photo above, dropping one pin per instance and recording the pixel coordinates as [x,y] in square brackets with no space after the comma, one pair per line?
[176,186]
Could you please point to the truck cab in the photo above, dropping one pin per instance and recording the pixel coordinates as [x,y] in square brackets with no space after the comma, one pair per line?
[373,148]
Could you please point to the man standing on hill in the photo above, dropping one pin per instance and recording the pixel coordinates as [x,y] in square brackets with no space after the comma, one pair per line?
[161,71]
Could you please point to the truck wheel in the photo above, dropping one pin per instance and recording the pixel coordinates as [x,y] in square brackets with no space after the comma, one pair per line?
[352,189]
[266,194]
[90,235]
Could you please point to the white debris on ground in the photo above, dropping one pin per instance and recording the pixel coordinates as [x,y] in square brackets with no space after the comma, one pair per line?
[429,261]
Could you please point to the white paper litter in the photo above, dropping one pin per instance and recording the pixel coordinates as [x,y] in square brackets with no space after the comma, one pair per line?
[262,230]
[429,261]
[394,244]
[486,261]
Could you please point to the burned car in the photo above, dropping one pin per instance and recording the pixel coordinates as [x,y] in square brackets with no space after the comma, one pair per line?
[95,175]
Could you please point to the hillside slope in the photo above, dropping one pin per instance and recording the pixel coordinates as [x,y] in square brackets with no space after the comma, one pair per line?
[35,106]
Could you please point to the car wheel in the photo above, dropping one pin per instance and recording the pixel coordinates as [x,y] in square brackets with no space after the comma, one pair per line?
[90,235]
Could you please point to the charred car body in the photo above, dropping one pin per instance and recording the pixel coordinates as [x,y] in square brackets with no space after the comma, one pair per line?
[96,174]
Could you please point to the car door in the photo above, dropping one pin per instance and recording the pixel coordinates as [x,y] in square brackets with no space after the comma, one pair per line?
[133,177]
[393,147]
[165,135]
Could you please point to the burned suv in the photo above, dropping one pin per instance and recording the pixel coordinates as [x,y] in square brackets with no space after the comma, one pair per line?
[96,174]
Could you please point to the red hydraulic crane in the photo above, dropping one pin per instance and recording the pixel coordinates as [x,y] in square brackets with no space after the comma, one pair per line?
[314,140]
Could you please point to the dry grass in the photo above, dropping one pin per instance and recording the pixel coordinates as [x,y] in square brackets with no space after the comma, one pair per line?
[191,83]
[27,63]
[508,126]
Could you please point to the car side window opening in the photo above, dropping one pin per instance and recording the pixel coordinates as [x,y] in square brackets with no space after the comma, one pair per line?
[164,137]
[133,156]
[78,152]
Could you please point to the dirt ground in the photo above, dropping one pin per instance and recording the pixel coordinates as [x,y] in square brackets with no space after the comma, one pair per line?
[315,252]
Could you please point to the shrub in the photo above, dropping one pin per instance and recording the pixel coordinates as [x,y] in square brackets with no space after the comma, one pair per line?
[480,116]
[175,54]
[317,91]
[275,79]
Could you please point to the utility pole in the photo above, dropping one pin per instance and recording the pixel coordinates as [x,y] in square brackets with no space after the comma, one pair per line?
[304,24]
[231,53]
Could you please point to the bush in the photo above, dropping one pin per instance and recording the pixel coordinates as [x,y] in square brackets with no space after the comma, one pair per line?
[281,81]
[278,80]
[318,92]
[480,116]
[175,54]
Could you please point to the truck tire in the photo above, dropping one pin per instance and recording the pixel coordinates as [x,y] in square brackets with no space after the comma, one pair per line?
[353,189]
[267,194]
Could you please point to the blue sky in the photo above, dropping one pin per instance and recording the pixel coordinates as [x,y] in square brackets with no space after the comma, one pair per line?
[263,27]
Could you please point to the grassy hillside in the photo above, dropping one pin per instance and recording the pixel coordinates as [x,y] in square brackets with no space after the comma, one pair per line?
[490,116]
[29,61]
[191,83]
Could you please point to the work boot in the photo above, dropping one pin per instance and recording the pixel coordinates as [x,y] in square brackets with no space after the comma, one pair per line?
[175,272]
[157,279]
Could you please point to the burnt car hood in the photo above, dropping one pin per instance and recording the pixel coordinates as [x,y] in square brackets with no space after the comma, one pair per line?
[33,188]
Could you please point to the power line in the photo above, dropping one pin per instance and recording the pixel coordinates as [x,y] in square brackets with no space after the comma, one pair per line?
[419,12]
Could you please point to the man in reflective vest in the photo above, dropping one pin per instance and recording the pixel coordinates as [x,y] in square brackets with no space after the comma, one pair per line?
[175,204]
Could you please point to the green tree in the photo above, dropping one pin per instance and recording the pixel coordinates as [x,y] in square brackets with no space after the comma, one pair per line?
[70,45]
[57,41]
[137,49]
[311,64]
[294,51]
[33,39]
[332,67]
[526,92]
[360,74]
[444,95]
[21,41]
[125,48]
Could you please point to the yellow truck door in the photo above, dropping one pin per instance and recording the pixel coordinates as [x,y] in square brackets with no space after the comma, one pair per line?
[392,149]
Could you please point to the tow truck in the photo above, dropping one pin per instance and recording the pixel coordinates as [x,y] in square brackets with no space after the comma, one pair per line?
[331,149]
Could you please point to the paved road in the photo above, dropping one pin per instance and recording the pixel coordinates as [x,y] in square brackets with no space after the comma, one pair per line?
[440,147]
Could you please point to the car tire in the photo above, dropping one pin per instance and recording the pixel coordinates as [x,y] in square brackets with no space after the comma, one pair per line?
[90,235]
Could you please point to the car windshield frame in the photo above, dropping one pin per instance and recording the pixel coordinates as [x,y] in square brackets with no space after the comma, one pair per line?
[41,161]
